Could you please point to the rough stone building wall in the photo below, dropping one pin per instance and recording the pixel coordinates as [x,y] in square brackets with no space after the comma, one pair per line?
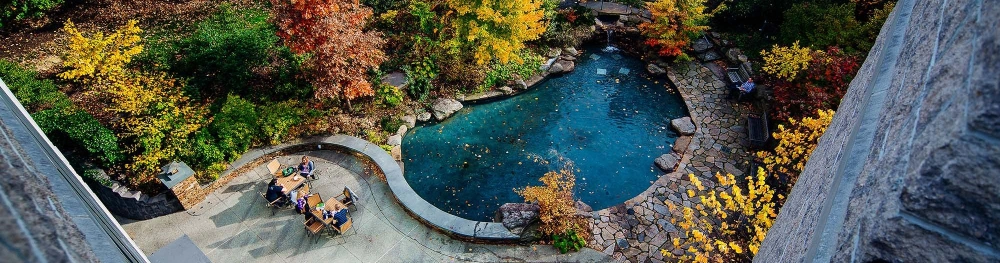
[909,169]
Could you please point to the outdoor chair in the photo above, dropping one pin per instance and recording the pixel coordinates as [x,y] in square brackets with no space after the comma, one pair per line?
[313,226]
[278,204]
[349,197]
[343,228]
[273,167]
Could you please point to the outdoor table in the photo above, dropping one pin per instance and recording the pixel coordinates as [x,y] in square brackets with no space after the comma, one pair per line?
[290,184]
[328,206]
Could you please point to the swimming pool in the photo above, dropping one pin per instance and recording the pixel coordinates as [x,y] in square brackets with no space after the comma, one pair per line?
[607,118]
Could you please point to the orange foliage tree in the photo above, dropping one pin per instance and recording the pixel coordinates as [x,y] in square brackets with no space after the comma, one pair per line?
[555,200]
[333,32]
[675,23]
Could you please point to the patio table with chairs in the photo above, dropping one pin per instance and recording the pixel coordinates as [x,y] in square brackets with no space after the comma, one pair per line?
[312,204]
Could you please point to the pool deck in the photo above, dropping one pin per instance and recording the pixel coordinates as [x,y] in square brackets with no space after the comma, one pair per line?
[232,225]
[639,229]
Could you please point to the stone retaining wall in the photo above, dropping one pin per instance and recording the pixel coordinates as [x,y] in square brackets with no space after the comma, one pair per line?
[134,204]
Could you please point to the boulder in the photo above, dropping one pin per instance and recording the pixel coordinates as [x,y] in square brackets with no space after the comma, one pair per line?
[681,144]
[709,56]
[583,209]
[396,153]
[655,70]
[506,90]
[570,51]
[568,65]
[402,130]
[517,216]
[548,64]
[396,79]
[683,125]
[569,58]
[445,107]
[394,140]
[556,68]
[553,52]
[410,121]
[701,45]
[424,116]
[735,54]
[519,84]
[667,162]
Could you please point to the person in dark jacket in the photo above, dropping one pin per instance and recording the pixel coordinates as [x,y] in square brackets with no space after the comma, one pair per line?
[275,192]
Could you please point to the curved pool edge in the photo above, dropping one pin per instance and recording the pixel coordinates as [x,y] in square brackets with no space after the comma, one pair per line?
[420,209]
[417,206]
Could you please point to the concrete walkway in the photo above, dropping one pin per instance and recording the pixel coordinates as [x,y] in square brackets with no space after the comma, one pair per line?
[232,225]
[637,230]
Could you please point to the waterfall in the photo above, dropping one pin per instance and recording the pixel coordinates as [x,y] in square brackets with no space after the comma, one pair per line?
[610,48]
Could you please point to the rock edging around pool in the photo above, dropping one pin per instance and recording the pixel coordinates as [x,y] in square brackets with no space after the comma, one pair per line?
[475,231]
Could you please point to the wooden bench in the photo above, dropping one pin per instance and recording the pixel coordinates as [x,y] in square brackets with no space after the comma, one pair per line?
[738,75]
[757,130]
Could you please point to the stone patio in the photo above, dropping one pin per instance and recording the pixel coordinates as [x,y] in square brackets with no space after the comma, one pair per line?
[233,225]
[637,230]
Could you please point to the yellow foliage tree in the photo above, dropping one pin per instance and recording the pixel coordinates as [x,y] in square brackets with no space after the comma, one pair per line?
[555,198]
[675,23]
[100,58]
[727,225]
[149,113]
[496,29]
[795,144]
[786,62]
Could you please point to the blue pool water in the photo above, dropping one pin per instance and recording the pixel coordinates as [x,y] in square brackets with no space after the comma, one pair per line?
[610,126]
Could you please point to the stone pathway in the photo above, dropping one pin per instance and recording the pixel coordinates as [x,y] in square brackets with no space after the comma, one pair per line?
[232,225]
[637,230]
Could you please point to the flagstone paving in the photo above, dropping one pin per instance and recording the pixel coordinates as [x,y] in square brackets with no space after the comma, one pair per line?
[233,225]
[639,229]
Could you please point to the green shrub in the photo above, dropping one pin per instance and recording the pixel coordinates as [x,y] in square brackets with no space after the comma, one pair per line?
[289,78]
[219,57]
[819,25]
[81,129]
[390,124]
[419,76]
[501,73]
[20,9]
[35,94]
[97,175]
[276,119]
[568,241]
[204,151]
[234,126]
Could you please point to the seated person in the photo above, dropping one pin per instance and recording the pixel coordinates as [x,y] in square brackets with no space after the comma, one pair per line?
[307,167]
[737,91]
[300,205]
[340,215]
[275,192]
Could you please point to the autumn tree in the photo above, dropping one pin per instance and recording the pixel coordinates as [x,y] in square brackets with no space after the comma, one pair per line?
[795,145]
[333,32]
[495,29]
[727,225]
[555,198]
[675,23]
[149,113]
[786,62]
[821,86]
